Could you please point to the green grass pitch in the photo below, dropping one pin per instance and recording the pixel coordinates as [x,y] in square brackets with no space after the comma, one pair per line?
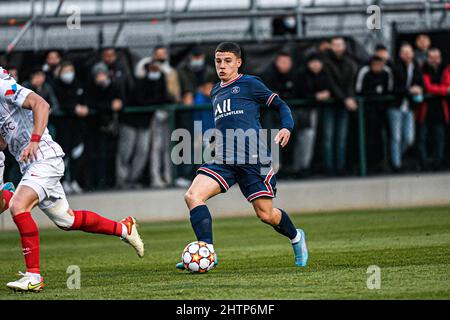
[411,246]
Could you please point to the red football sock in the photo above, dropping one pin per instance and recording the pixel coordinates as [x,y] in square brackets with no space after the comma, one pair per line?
[29,235]
[7,195]
[89,221]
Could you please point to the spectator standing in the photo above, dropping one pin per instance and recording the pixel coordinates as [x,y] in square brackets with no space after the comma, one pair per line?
[374,80]
[423,43]
[105,98]
[433,115]
[205,117]
[160,121]
[284,26]
[38,84]
[119,72]
[72,128]
[341,70]
[135,131]
[14,72]
[280,78]
[382,52]
[192,73]
[314,85]
[51,65]
[409,94]
[160,55]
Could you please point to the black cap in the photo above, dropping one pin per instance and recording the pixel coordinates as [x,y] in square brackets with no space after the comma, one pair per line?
[197,51]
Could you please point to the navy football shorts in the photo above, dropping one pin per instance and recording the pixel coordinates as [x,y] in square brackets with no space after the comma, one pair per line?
[254,180]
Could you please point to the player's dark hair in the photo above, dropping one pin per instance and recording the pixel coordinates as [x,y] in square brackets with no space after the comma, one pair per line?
[232,47]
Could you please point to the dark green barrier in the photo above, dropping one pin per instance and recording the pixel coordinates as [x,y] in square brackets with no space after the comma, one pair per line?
[296,103]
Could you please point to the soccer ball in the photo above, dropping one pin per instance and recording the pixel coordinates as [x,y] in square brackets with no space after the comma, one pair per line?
[198,257]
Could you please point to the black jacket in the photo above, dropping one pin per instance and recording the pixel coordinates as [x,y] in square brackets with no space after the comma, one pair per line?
[100,99]
[282,84]
[341,72]
[370,85]
[309,83]
[401,90]
[46,92]
[69,95]
[146,93]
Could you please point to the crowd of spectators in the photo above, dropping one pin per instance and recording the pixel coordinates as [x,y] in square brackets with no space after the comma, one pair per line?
[114,149]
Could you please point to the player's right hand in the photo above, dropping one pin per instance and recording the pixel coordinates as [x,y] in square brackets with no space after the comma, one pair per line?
[29,153]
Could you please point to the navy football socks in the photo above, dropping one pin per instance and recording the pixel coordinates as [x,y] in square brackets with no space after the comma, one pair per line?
[286,227]
[202,223]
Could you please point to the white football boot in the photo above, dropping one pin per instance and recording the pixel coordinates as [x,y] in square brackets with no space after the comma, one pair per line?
[29,282]
[132,237]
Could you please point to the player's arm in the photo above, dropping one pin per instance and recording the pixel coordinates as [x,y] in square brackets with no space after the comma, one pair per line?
[263,95]
[287,121]
[41,111]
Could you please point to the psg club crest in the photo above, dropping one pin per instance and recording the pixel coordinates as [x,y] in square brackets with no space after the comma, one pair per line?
[235,90]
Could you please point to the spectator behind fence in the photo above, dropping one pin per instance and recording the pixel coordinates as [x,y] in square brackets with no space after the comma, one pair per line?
[382,52]
[192,73]
[37,84]
[119,71]
[14,72]
[433,115]
[72,128]
[409,93]
[51,65]
[341,70]
[313,84]
[104,96]
[280,78]
[423,43]
[375,80]
[205,117]
[161,55]
[284,26]
[156,94]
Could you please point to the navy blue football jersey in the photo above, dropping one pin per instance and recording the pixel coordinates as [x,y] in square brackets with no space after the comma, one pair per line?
[239,135]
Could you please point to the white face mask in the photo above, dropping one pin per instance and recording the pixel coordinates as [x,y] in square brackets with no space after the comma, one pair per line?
[104,84]
[197,64]
[290,22]
[67,77]
[154,75]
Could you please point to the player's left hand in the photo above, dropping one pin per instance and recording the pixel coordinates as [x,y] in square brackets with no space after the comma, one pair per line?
[29,153]
[282,138]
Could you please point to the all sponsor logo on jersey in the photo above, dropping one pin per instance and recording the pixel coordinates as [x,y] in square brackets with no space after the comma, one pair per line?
[225,110]
[226,107]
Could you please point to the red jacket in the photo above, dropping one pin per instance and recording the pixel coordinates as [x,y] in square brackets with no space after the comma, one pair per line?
[439,89]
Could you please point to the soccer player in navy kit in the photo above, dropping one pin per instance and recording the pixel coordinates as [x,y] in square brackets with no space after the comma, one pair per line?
[237,100]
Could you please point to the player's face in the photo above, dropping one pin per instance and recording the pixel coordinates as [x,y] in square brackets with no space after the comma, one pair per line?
[227,65]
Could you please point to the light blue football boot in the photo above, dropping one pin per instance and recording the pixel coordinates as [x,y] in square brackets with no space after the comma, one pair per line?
[301,250]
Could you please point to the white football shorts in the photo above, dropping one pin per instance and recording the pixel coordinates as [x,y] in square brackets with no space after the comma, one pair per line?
[44,177]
